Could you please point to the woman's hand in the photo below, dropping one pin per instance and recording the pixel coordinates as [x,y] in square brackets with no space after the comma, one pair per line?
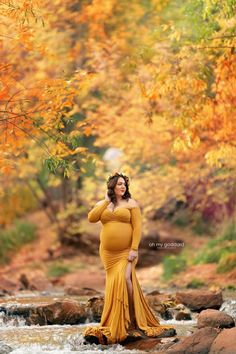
[132,255]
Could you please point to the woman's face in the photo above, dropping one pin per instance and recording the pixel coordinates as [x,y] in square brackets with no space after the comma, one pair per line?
[120,187]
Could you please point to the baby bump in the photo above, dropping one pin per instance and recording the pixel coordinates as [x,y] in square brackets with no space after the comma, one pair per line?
[116,236]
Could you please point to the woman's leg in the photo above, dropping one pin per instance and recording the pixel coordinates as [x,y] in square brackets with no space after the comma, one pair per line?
[128,277]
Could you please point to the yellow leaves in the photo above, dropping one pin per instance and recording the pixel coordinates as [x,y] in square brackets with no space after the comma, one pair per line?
[80,149]
[225,155]
[179,144]
[165,27]
[61,150]
[188,140]
[176,35]
[151,94]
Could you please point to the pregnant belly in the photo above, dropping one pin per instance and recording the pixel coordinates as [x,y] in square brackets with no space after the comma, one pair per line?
[116,236]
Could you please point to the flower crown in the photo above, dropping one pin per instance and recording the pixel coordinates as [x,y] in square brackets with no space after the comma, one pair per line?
[120,174]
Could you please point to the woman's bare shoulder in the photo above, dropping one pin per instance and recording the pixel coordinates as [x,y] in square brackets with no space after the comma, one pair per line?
[100,202]
[133,203]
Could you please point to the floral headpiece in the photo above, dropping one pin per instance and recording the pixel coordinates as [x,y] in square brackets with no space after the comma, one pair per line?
[120,174]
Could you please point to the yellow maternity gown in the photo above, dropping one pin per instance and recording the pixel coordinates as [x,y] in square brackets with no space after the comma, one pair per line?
[120,233]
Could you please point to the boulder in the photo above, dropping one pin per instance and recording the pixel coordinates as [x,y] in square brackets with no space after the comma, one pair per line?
[95,306]
[74,290]
[197,343]
[63,312]
[225,342]
[8,286]
[183,315]
[154,292]
[37,283]
[214,318]
[161,304]
[197,300]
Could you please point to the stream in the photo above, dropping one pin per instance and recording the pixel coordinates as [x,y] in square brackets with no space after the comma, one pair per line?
[66,339]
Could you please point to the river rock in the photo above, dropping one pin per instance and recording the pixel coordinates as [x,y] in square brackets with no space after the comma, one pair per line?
[183,315]
[74,290]
[38,283]
[65,312]
[8,286]
[5,349]
[143,344]
[198,300]
[161,297]
[225,342]
[214,318]
[154,292]
[161,304]
[197,343]
[95,306]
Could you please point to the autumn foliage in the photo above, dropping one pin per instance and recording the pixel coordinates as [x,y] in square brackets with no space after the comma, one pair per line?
[155,79]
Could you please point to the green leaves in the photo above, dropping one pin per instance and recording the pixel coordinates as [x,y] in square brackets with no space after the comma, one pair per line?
[54,164]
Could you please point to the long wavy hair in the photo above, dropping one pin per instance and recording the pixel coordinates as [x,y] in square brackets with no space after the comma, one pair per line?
[111,183]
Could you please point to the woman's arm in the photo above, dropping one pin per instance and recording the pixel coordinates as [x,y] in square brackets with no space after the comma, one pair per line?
[95,214]
[136,221]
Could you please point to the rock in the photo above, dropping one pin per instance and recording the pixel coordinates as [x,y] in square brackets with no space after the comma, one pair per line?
[180,307]
[183,316]
[165,344]
[161,304]
[63,312]
[180,312]
[197,343]
[225,342]
[73,290]
[40,283]
[95,307]
[198,300]
[161,297]
[7,286]
[145,344]
[5,349]
[24,281]
[154,292]
[167,333]
[36,317]
[214,318]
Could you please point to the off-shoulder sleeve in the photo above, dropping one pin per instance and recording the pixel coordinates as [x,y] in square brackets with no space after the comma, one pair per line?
[136,221]
[95,214]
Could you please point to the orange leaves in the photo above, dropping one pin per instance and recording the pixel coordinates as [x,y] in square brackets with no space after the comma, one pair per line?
[3,92]
[220,113]
[151,94]
[87,131]
[95,15]
[26,37]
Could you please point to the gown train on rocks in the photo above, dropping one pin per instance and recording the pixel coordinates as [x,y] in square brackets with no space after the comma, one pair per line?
[121,232]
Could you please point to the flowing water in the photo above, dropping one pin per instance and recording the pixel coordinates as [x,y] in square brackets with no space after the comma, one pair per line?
[66,339]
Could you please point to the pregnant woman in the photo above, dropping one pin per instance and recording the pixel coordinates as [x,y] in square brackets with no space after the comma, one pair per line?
[125,309]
